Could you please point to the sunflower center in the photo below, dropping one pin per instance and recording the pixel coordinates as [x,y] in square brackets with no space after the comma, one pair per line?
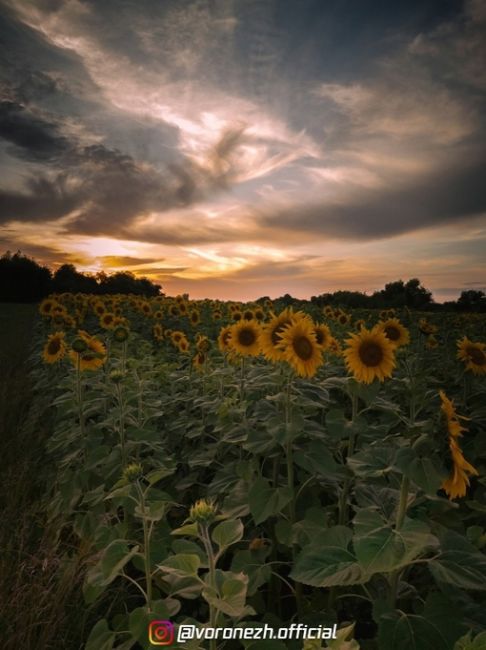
[246,337]
[54,346]
[476,355]
[392,333]
[277,330]
[370,353]
[303,348]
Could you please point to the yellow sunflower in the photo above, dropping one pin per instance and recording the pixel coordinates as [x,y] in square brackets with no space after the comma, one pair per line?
[183,345]
[395,332]
[456,485]
[323,335]
[334,347]
[300,349]
[431,343]
[271,333]
[174,310]
[46,306]
[195,317]
[177,336]
[55,348]
[244,338]
[224,339]
[237,315]
[369,355]
[203,344]
[199,360]
[473,354]
[93,357]
[108,321]
[248,314]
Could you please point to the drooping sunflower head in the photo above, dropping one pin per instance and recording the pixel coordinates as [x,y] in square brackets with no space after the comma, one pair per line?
[244,338]
[395,332]
[93,357]
[369,355]
[473,354]
[199,360]
[299,347]
[224,339]
[55,348]
[203,344]
[183,345]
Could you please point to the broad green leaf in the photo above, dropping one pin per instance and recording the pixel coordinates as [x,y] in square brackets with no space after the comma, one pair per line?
[181,565]
[400,631]
[188,529]
[114,558]
[465,570]
[229,596]
[423,471]
[266,501]
[328,562]
[384,549]
[228,532]
[373,461]
[101,637]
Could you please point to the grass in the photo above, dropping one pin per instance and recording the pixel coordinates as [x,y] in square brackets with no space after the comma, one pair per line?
[40,590]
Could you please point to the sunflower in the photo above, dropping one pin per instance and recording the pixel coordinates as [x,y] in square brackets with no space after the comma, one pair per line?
[300,349]
[99,308]
[248,314]
[55,348]
[457,483]
[158,314]
[272,331]
[359,324]
[259,313]
[244,338]
[157,332]
[323,335]
[183,345]
[174,310]
[177,336]
[46,306]
[146,309]
[224,339]
[199,360]
[334,347]
[93,357]
[395,332]
[473,354]
[108,321]
[431,343]
[195,317]
[237,315]
[217,315]
[203,344]
[427,328]
[328,311]
[343,318]
[369,355]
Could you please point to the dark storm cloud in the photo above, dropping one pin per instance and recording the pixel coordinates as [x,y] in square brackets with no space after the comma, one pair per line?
[35,138]
[45,199]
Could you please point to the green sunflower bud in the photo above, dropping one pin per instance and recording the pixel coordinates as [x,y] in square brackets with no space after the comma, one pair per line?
[203,512]
[132,472]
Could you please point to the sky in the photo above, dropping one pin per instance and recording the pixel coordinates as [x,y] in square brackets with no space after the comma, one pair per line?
[239,148]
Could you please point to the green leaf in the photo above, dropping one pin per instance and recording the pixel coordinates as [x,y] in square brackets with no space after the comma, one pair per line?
[382,549]
[115,557]
[337,425]
[266,501]
[468,643]
[423,471]
[373,461]
[400,631]
[229,596]
[460,562]
[318,460]
[328,562]
[101,637]
[228,532]
[188,529]
[181,565]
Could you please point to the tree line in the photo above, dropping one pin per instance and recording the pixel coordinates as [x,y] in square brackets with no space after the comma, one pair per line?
[22,279]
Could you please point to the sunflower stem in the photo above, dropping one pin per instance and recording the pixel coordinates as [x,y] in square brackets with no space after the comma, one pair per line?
[146,547]
[400,518]
[79,396]
[121,428]
[290,482]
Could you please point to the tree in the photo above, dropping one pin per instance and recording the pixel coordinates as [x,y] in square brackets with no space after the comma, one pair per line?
[22,279]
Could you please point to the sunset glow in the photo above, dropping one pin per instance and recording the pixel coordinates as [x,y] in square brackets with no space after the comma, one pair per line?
[240,149]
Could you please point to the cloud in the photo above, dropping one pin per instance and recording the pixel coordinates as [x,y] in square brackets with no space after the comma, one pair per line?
[34,138]
[116,261]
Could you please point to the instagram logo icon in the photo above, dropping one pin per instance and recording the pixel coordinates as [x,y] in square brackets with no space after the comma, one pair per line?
[161,633]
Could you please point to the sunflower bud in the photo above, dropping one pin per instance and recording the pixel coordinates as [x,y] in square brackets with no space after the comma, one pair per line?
[120,333]
[132,472]
[116,376]
[79,345]
[203,512]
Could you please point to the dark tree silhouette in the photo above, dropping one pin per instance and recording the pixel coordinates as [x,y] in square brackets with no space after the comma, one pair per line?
[22,279]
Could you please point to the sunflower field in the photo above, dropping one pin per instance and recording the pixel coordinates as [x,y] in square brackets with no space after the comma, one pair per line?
[240,465]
